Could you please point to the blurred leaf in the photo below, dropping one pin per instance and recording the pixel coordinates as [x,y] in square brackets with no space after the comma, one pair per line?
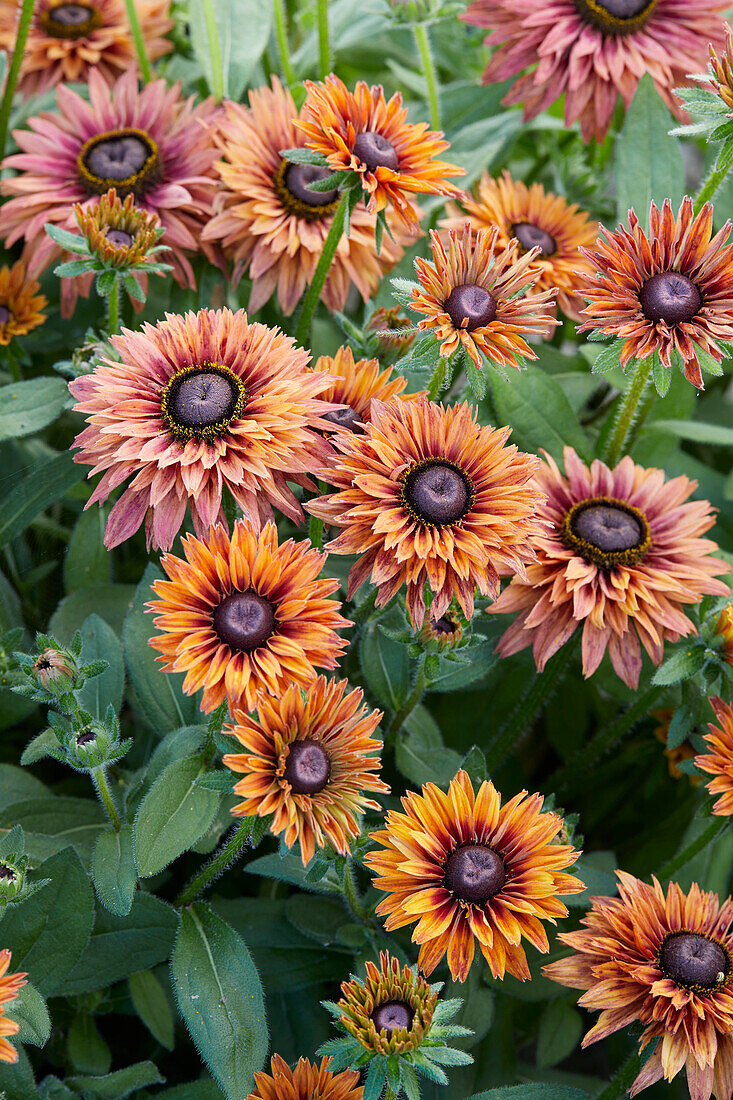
[457,676]
[317,918]
[87,560]
[386,666]
[151,1005]
[88,1052]
[99,642]
[30,1012]
[26,407]
[44,485]
[531,1092]
[243,32]
[17,785]
[648,161]
[539,412]
[110,601]
[561,1026]
[289,868]
[421,755]
[53,823]
[596,870]
[17,1080]
[220,998]
[115,1086]
[173,815]
[697,432]
[113,870]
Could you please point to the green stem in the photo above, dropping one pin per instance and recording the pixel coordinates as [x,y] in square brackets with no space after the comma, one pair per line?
[628,411]
[315,532]
[324,57]
[99,780]
[113,306]
[584,760]
[412,700]
[623,1080]
[540,690]
[137,35]
[313,293]
[229,852]
[19,49]
[212,35]
[672,866]
[428,68]
[711,184]
[281,34]
[351,893]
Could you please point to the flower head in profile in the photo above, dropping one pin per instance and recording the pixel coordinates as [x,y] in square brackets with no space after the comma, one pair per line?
[718,762]
[427,496]
[245,617]
[721,71]
[118,233]
[356,383]
[464,868]
[69,41]
[361,132]
[273,226]
[196,406]
[666,293]
[622,555]
[664,960]
[21,306]
[471,295]
[593,51]
[306,1082]
[725,627]
[150,143]
[10,985]
[539,220]
[310,759]
[395,332]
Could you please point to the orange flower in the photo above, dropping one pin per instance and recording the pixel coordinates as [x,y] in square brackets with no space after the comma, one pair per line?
[120,233]
[361,132]
[719,762]
[309,759]
[666,292]
[538,219]
[725,627]
[245,617]
[306,1082]
[664,960]
[464,866]
[391,1010]
[356,385]
[66,41]
[471,293]
[20,304]
[273,226]
[622,555]
[10,984]
[427,495]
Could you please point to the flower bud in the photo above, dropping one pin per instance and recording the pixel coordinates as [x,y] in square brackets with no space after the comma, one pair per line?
[54,671]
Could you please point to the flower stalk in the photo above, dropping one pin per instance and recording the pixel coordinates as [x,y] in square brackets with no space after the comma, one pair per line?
[139,41]
[212,36]
[102,788]
[628,411]
[324,52]
[313,293]
[281,34]
[428,67]
[16,61]
[228,854]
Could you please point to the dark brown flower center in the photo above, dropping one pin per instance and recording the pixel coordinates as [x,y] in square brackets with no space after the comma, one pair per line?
[393,1016]
[616,16]
[5,315]
[244,621]
[345,418]
[70,20]
[694,962]
[42,663]
[201,401]
[6,872]
[127,160]
[308,767]
[670,297]
[86,737]
[606,532]
[474,873]
[119,238]
[531,236]
[375,151]
[443,625]
[436,493]
[472,304]
[291,184]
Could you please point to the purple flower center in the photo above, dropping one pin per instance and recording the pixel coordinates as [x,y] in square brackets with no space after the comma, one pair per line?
[443,625]
[244,621]
[393,1016]
[375,151]
[670,297]
[436,493]
[531,236]
[308,767]
[202,401]
[299,176]
[616,16]
[606,532]
[474,873]
[86,737]
[70,20]
[694,962]
[345,418]
[470,303]
[126,159]
[119,237]
[5,315]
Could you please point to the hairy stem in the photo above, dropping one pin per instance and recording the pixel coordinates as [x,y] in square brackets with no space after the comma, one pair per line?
[100,782]
[229,853]
[412,700]
[137,36]
[313,293]
[324,53]
[24,23]
[628,412]
[352,896]
[673,865]
[315,532]
[622,1081]
[711,184]
[113,307]
[428,68]
[281,34]
[212,36]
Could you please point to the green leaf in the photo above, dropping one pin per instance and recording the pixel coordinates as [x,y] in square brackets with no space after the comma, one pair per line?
[17,1080]
[113,870]
[99,642]
[456,675]
[119,946]
[608,359]
[596,870]
[72,242]
[531,1092]
[88,1052]
[40,488]
[697,431]
[318,918]
[289,868]
[304,156]
[174,814]
[115,1086]
[680,666]
[49,930]
[52,824]
[648,161]
[87,559]
[18,786]
[26,407]
[105,282]
[220,998]
[110,601]
[476,378]
[73,268]
[662,376]
[151,1005]
[559,1033]
[30,1012]
[539,413]
[422,756]
[386,666]
[158,693]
